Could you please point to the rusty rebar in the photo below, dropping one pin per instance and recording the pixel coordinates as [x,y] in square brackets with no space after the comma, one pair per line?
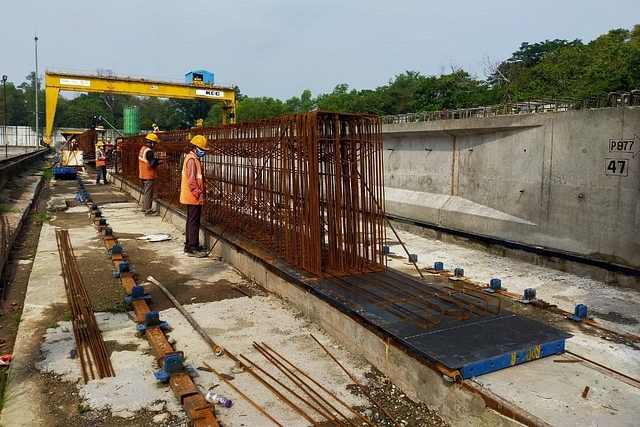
[317,384]
[299,186]
[247,398]
[318,400]
[373,399]
[275,391]
[89,342]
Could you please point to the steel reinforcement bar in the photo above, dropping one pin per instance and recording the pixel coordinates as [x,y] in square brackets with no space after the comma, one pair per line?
[308,188]
[90,345]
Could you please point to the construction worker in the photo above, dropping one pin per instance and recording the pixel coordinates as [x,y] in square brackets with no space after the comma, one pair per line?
[101,163]
[156,129]
[109,148]
[147,164]
[193,193]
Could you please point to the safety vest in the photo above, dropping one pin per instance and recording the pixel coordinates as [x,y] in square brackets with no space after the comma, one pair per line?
[186,196]
[101,158]
[146,171]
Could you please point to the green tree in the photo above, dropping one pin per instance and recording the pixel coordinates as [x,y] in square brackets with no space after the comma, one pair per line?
[16,106]
[340,100]
[259,108]
[29,89]
[78,112]
[304,104]
[399,95]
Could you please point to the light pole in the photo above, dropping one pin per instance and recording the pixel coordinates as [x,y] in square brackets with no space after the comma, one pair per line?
[36,84]
[4,84]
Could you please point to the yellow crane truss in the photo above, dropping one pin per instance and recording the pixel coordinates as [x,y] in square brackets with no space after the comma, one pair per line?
[57,81]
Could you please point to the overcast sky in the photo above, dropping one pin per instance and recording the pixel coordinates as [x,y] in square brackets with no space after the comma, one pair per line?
[279,48]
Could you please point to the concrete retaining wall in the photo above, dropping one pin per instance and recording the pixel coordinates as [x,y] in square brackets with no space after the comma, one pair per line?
[566,181]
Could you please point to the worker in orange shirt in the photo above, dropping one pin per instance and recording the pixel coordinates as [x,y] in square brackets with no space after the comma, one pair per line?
[101,163]
[193,193]
[147,165]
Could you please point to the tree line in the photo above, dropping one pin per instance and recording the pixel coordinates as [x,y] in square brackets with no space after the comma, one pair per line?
[550,69]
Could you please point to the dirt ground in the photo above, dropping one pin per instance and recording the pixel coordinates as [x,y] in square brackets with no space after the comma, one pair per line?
[66,408]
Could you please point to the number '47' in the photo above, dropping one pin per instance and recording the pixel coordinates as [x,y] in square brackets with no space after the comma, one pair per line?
[617,167]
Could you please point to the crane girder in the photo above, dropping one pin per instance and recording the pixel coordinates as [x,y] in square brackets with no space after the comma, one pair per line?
[57,81]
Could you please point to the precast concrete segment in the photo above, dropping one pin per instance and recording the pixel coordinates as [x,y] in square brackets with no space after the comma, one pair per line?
[196,407]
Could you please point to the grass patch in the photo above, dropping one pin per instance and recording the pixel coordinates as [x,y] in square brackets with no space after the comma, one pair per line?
[15,323]
[43,216]
[68,316]
[53,326]
[83,409]
[47,173]
[4,383]
[110,305]
[4,208]
[45,386]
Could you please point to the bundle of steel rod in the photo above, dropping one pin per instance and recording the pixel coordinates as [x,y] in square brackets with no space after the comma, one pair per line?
[91,349]
[307,188]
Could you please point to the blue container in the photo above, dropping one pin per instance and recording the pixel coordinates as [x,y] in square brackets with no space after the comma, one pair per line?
[199,77]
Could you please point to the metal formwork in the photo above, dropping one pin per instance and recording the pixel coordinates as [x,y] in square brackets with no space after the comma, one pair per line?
[308,188]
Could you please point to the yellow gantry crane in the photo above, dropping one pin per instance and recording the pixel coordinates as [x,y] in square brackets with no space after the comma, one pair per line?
[57,81]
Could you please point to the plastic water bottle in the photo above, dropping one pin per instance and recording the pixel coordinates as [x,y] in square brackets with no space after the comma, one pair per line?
[220,400]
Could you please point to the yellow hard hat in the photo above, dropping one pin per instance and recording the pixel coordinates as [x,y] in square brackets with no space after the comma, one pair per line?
[108,139]
[100,144]
[152,137]
[200,142]
[154,125]
[73,140]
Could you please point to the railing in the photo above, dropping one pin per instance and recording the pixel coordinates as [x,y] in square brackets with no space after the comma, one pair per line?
[607,100]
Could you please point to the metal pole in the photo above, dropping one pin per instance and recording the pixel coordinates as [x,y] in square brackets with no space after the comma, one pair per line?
[36,84]
[217,350]
[4,84]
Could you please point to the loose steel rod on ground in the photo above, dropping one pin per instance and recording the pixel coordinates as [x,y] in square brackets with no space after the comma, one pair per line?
[274,390]
[311,394]
[217,350]
[247,398]
[356,413]
[373,399]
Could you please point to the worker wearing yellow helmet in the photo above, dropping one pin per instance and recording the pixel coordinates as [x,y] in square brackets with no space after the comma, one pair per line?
[147,167]
[193,194]
[101,163]
[156,129]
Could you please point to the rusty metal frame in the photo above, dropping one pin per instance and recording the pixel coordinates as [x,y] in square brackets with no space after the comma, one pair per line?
[308,188]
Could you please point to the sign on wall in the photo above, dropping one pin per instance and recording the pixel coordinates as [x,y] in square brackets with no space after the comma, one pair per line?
[620,166]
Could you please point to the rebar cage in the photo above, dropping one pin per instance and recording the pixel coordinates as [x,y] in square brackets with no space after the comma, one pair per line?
[307,188]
